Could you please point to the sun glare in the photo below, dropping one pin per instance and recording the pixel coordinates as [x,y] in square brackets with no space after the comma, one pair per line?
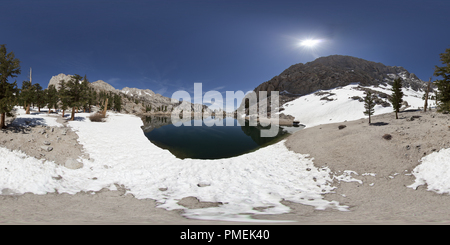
[310,42]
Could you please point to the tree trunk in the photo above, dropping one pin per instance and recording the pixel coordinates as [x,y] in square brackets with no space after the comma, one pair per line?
[72,117]
[396,115]
[426,96]
[28,109]
[369,120]
[106,107]
[63,112]
[2,120]
[39,109]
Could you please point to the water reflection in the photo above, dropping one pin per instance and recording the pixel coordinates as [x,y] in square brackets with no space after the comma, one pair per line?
[208,142]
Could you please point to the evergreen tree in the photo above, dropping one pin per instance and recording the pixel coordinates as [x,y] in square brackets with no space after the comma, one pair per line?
[369,105]
[443,85]
[397,96]
[85,94]
[51,97]
[9,67]
[75,94]
[8,100]
[117,102]
[110,100]
[62,94]
[27,95]
[91,99]
[39,97]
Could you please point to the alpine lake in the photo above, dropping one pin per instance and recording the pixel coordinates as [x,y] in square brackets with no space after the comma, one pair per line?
[210,142]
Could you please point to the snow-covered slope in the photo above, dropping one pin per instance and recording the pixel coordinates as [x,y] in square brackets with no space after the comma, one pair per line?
[341,104]
[253,183]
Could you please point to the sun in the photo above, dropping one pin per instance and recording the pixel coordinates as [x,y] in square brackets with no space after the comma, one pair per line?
[310,42]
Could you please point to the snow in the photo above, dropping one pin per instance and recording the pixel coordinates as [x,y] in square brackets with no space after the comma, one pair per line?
[434,171]
[347,176]
[311,111]
[122,155]
[34,119]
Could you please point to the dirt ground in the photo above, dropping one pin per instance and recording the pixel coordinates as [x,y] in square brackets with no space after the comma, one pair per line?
[58,144]
[383,165]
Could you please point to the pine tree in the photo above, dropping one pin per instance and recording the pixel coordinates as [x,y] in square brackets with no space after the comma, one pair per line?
[369,105]
[110,101]
[51,97]
[8,100]
[117,102]
[397,96]
[9,67]
[75,94]
[39,97]
[91,99]
[62,94]
[85,94]
[27,95]
[443,85]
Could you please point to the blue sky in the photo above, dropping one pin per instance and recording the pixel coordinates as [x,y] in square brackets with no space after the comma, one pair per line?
[226,45]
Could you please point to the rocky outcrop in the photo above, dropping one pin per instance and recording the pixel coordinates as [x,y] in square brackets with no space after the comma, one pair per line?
[100,85]
[334,71]
[138,92]
[55,80]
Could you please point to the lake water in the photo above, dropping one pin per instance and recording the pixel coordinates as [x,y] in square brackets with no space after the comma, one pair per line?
[209,142]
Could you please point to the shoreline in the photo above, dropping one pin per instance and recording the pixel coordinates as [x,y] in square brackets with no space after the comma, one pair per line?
[281,121]
[382,198]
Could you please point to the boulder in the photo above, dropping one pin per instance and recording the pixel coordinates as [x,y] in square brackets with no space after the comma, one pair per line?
[47,148]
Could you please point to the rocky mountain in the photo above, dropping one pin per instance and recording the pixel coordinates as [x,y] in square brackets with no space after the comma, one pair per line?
[56,79]
[135,100]
[100,85]
[335,71]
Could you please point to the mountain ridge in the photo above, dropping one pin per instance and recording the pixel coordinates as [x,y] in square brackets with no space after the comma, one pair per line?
[159,104]
[334,71]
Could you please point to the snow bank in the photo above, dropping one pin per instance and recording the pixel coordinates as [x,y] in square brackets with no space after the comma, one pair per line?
[434,171]
[21,173]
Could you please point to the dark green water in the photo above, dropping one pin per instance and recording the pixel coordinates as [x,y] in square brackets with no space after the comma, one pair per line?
[204,142]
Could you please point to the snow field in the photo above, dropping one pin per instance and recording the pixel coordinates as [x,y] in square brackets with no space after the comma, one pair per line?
[34,119]
[258,179]
[119,153]
[311,111]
